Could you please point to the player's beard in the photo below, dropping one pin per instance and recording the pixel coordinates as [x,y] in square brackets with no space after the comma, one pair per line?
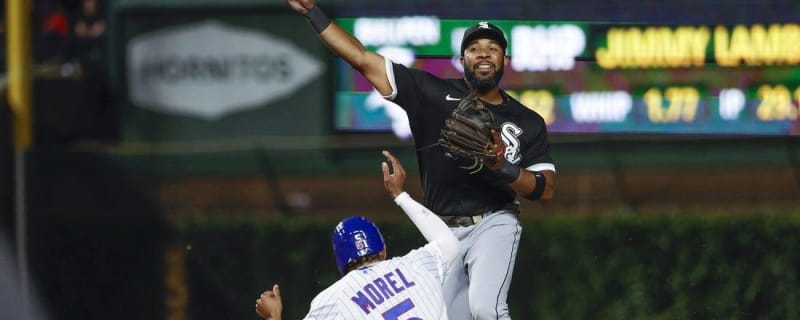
[483,85]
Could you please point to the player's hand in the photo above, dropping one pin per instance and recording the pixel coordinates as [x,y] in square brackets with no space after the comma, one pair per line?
[300,6]
[498,148]
[393,182]
[269,305]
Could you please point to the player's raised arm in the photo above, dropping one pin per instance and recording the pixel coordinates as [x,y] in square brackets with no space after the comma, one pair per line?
[428,223]
[371,65]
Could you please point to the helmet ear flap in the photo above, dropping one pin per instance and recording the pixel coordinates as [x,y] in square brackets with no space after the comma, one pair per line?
[353,238]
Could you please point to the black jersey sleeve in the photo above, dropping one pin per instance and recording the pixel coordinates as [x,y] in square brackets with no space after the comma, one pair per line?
[536,151]
[407,87]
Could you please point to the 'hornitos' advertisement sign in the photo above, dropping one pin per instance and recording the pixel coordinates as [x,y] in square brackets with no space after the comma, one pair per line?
[209,69]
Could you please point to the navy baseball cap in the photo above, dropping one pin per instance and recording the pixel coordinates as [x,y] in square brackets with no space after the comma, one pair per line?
[483,30]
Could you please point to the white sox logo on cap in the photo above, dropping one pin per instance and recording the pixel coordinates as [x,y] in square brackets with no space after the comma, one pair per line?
[483,30]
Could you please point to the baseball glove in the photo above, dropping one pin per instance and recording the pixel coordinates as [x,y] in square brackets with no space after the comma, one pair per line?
[470,136]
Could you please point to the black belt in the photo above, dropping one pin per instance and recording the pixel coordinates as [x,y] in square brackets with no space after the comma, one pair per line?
[463,221]
[466,221]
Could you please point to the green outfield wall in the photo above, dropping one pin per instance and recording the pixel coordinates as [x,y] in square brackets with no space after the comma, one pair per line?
[650,267]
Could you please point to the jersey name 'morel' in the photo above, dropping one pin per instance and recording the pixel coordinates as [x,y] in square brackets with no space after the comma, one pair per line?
[381,289]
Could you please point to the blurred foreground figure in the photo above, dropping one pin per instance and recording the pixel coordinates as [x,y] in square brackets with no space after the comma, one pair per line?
[12,301]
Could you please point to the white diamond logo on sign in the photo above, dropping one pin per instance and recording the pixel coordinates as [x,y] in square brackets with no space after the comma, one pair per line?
[210,69]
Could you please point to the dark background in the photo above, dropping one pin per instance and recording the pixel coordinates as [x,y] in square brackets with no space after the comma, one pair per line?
[108,219]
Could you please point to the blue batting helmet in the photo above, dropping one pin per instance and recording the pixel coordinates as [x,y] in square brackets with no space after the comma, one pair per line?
[353,238]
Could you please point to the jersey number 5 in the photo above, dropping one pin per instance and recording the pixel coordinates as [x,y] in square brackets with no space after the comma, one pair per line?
[401,308]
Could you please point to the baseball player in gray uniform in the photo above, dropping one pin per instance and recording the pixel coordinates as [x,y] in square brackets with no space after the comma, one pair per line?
[479,207]
[407,287]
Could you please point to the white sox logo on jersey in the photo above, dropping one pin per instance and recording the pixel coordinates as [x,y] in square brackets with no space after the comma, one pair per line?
[510,133]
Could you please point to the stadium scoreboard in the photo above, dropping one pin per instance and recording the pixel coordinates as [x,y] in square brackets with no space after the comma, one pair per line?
[603,78]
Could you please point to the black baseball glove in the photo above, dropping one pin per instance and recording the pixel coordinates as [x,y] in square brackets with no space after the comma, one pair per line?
[471,137]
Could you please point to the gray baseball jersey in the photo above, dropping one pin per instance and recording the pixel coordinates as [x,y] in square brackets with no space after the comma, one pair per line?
[407,287]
